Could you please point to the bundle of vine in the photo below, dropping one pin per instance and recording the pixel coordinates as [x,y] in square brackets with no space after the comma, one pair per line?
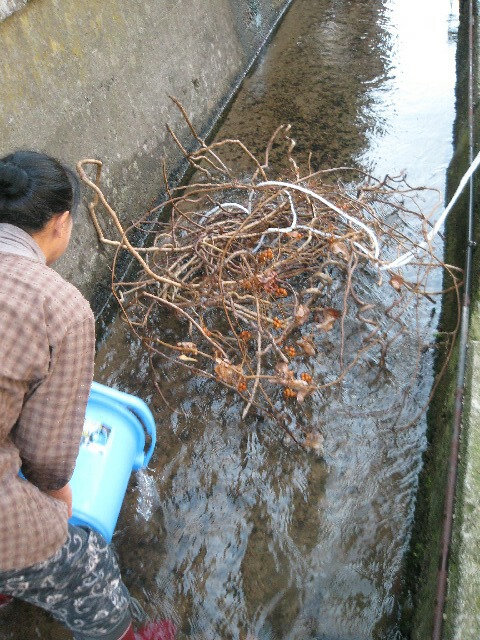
[264,276]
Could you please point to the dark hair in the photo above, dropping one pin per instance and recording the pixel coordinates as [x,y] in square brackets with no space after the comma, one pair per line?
[34,188]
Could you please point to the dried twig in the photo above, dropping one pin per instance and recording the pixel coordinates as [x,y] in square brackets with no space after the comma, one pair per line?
[262,274]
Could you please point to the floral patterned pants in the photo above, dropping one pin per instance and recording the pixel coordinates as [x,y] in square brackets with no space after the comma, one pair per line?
[80,585]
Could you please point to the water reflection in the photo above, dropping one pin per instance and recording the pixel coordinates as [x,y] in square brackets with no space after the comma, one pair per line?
[255,539]
[315,75]
[417,99]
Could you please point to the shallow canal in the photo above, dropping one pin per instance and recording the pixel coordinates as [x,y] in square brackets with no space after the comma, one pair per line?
[233,532]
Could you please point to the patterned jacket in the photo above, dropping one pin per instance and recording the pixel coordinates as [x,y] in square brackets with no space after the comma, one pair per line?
[47,338]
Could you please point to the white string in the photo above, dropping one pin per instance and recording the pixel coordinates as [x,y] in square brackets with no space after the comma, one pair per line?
[408,256]
[359,223]
[395,264]
[280,229]
[294,224]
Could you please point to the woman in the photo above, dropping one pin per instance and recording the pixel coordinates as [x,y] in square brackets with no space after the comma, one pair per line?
[46,369]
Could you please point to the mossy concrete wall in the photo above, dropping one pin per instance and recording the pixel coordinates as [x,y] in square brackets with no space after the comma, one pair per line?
[92,79]
[462,610]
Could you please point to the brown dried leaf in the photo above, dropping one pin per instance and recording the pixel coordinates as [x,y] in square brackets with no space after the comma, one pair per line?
[282,369]
[301,314]
[327,319]
[397,282]
[340,249]
[300,385]
[268,280]
[307,345]
[226,372]
[332,313]
[302,388]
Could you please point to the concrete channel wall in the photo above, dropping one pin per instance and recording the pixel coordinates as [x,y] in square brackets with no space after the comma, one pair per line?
[461,615]
[92,79]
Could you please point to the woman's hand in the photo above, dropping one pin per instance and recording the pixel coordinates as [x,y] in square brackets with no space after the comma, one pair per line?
[64,494]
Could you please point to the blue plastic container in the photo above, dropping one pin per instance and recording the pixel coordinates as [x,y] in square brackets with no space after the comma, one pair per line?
[113,445]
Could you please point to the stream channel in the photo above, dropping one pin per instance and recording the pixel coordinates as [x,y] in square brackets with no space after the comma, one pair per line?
[233,532]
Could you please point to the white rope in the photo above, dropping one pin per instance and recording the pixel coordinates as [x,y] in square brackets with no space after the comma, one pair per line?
[395,264]
[294,224]
[409,255]
[280,229]
[312,194]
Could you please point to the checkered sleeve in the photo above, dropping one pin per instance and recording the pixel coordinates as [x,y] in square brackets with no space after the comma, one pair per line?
[49,429]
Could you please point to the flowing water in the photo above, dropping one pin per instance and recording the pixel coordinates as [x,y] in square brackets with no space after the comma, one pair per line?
[233,532]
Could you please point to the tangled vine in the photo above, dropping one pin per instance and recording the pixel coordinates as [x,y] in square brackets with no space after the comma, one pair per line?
[264,274]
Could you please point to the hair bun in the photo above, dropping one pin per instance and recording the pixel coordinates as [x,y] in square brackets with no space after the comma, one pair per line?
[14,180]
